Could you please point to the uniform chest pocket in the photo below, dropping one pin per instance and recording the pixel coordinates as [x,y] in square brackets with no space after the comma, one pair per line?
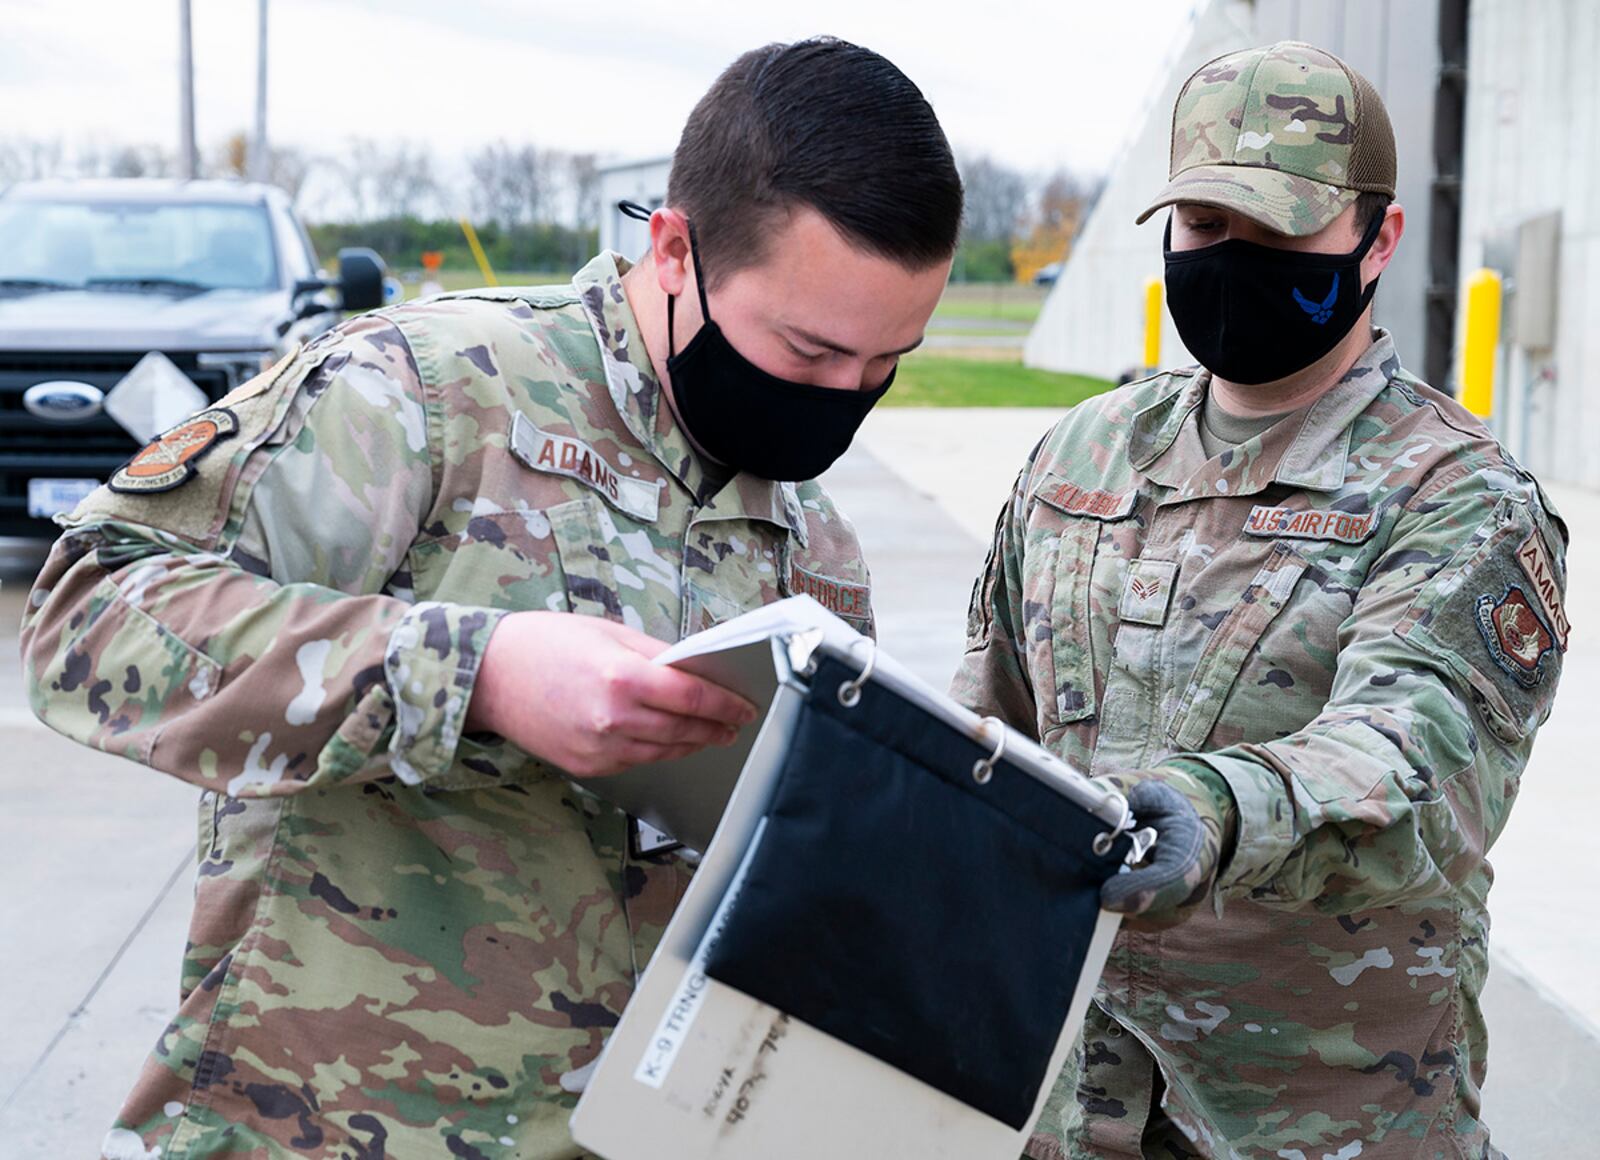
[703,608]
[1230,646]
[586,564]
[1069,528]
[729,568]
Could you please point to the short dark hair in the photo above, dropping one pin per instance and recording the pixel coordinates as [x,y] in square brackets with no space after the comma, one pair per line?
[1369,208]
[821,123]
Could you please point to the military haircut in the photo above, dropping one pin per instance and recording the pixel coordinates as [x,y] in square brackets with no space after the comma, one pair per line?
[821,123]
[1370,206]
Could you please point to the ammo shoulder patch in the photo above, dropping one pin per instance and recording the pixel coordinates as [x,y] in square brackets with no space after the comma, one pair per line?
[1542,575]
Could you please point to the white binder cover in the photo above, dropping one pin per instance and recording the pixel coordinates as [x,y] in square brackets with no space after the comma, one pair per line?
[696,1069]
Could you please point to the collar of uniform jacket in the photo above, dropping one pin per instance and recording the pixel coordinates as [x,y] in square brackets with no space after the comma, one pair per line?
[636,392]
[1308,449]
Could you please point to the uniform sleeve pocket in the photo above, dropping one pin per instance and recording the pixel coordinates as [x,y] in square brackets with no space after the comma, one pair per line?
[125,675]
[1230,645]
[1497,622]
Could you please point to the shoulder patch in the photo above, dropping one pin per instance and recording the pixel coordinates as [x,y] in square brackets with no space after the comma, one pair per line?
[1516,635]
[169,461]
[569,456]
[1301,524]
[1542,575]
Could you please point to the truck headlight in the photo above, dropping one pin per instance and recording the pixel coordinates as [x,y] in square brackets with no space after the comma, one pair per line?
[241,365]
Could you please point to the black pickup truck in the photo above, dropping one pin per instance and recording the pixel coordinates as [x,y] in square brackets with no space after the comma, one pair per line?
[126,305]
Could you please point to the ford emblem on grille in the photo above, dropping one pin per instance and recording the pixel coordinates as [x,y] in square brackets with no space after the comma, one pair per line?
[63,401]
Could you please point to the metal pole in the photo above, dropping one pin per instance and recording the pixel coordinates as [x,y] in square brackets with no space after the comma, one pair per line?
[258,144]
[188,163]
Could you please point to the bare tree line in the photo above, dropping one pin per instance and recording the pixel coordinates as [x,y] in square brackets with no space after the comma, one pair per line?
[505,183]
[501,182]
[1003,204]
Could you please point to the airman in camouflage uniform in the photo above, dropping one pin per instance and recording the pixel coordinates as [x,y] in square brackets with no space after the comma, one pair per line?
[411,937]
[1335,640]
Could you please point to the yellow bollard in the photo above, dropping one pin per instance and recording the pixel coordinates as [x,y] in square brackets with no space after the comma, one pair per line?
[1481,343]
[1152,323]
[478,254]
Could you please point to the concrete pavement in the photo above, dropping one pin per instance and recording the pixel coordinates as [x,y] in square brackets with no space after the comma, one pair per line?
[95,884]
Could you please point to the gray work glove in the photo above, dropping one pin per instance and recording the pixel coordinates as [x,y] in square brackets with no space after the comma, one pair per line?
[1196,821]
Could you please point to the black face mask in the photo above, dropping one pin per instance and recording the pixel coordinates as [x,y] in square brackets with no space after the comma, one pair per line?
[1253,314]
[750,420]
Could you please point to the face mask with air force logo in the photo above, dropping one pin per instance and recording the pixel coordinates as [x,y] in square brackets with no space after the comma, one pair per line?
[1253,314]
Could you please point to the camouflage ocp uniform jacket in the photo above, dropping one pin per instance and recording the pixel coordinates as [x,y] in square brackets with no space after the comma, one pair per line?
[1355,619]
[406,941]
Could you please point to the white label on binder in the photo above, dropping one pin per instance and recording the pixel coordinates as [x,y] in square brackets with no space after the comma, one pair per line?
[673,1030]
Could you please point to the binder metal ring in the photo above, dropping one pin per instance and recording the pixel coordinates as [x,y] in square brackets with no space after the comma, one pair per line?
[1143,839]
[983,769]
[850,691]
[1103,840]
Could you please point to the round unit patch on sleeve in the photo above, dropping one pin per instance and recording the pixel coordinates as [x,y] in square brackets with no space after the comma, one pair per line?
[1516,635]
[169,461]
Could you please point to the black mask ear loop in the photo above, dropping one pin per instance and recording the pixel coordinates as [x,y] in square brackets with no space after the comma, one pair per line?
[638,213]
[1359,255]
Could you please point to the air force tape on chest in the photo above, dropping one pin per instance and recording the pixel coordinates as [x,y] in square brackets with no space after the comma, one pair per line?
[852,602]
[570,456]
[1291,523]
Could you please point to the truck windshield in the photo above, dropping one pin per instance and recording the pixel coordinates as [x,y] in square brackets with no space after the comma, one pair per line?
[136,245]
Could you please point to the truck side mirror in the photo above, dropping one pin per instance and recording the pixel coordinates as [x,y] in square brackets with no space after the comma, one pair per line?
[361,274]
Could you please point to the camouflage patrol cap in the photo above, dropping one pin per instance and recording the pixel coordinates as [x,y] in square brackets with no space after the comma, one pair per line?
[1287,135]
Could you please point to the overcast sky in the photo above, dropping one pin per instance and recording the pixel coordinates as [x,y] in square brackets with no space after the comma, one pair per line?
[1036,83]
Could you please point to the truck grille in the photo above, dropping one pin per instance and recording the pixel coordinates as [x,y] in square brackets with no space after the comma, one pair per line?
[32,448]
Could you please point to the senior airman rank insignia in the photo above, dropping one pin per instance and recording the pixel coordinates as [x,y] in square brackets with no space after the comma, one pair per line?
[1147,591]
[169,461]
[1516,635]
